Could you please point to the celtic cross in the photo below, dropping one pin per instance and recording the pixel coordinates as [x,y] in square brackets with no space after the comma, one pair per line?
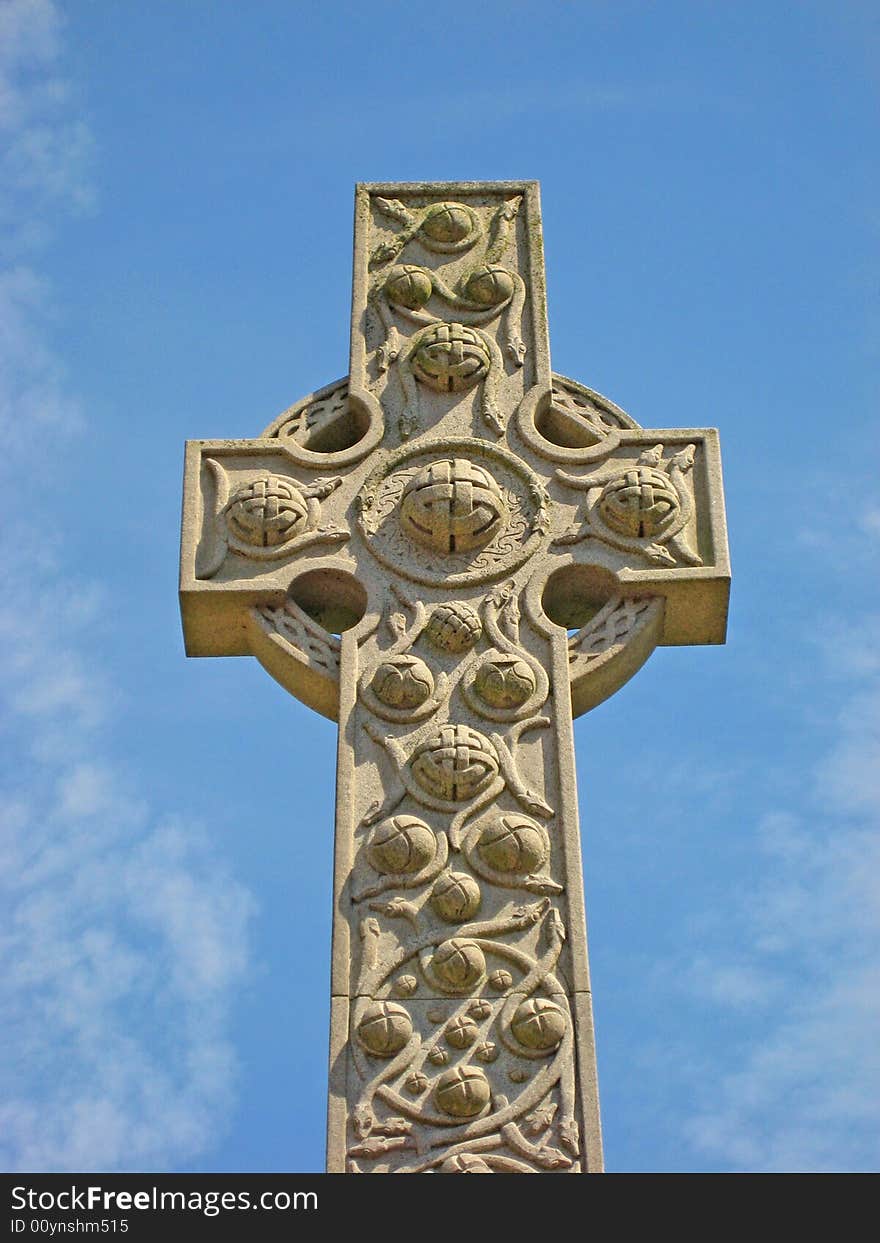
[452,552]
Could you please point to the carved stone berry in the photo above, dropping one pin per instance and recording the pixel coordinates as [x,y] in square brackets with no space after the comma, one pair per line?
[455,897]
[539,1023]
[459,963]
[462,1091]
[500,980]
[448,223]
[384,1028]
[416,1083]
[461,1032]
[409,286]
[403,682]
[489,284]
[401,844]
[405,985]
[454,627]
[513,843]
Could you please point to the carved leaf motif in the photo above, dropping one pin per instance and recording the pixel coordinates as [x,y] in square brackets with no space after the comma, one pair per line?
[541,884]
[539,1119]
[393,1126]
[363,1119]
[376,1145]
[570,1136]
[551,1158]
[395,209]
[386,251]
[555,927]
[659,554]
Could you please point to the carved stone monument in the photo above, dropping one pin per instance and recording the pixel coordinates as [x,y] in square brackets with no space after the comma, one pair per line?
[452,552]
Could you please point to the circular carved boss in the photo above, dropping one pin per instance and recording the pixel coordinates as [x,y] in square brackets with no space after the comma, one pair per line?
[452,506]
[267,512]
[384,1028]
[454,627]
[449,224]
[640,503]
[455,764]
[463,1092]
[451,358]
[479,505]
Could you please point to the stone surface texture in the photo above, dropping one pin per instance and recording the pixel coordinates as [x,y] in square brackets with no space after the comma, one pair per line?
[452,551]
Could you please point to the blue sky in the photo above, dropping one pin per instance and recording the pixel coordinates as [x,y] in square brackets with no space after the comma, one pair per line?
[176,186]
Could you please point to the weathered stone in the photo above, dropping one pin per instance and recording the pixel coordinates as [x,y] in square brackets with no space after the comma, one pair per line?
[451,552]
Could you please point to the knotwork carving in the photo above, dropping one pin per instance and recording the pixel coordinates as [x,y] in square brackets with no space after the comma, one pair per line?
[265,518]
[452,506]
[305,637]
[610,631]
[643,508]
[514,513]
[456,769]
[319,424]
[449,351]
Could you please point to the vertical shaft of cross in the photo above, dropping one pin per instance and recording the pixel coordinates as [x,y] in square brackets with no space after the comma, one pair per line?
[462,1019]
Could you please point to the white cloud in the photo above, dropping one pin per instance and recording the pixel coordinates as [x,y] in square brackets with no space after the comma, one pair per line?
[47,150]
[805,1095]
[122,936]
[122,942]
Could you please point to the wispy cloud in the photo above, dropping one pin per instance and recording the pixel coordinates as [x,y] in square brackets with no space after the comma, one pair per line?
[122,937]
[45,163]
[805,1095]
[47,148]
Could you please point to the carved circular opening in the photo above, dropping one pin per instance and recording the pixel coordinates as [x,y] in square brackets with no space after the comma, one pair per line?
[327,422]
[343,433]
[561,428]
[574,594]
[332,598]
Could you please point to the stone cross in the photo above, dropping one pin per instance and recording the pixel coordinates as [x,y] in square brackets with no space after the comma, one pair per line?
[452,552]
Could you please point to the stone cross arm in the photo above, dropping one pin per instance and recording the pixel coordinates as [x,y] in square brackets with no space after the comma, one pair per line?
[452,552]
